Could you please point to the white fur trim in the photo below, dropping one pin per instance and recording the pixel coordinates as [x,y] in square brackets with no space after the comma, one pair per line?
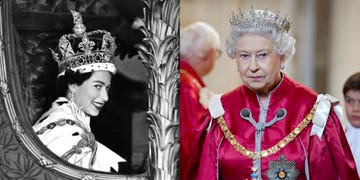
[94,67]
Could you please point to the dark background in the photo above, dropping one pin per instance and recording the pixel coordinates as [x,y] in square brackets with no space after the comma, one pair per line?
[121,125]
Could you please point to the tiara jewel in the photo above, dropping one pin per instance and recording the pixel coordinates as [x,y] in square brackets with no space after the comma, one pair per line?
[84,51]
[260,18]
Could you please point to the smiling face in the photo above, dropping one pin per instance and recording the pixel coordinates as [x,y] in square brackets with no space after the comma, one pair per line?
[258,63]
[92,94]
[352,107]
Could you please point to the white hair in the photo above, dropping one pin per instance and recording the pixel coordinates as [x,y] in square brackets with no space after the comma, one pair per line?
[284,43]
[197,39]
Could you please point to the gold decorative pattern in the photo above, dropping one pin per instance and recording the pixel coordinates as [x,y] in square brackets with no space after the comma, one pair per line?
[196,82]
[4,89]
[159,52]
[272,150]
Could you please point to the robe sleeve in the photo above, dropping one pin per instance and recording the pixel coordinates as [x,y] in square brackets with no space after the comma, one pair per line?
[190,113]
[330,157]
[202,164]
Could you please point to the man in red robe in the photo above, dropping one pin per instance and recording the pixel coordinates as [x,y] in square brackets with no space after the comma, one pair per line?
[199,48]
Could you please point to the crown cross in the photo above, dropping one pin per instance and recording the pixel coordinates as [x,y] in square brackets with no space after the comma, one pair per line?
[86,45]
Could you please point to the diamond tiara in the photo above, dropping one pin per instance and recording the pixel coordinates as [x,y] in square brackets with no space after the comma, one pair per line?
[260,18]
[84,51]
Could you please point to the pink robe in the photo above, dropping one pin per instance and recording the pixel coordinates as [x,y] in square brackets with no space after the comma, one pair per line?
[213,157]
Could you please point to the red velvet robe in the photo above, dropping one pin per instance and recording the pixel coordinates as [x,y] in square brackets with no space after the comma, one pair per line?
[213,157]
[190,111]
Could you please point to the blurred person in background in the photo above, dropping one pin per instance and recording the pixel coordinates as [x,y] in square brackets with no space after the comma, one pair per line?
[199,49]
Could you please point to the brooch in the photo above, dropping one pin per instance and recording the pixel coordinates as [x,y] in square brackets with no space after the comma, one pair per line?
[282,169]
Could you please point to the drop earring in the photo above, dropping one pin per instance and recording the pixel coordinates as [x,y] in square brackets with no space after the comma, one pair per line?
[282,66]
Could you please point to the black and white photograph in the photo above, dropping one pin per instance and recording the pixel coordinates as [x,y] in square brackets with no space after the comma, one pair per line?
[89,89]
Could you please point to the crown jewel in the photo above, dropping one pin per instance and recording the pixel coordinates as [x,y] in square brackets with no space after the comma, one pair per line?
[85,51]
[260,18]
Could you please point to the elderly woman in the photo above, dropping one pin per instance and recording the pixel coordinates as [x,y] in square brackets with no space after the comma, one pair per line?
[271,127]
[86,68]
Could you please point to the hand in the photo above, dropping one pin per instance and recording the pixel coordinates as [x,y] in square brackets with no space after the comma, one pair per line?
[205,96]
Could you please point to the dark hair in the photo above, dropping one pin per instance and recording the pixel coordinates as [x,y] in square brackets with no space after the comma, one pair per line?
[70,77]
[352,83]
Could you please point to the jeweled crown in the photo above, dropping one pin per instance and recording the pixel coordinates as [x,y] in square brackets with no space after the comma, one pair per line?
[85,51]
[260,18]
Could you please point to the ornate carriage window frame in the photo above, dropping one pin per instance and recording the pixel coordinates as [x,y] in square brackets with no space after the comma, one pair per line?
[159,52]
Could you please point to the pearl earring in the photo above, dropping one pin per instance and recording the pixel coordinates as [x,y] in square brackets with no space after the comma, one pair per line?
[282,66]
